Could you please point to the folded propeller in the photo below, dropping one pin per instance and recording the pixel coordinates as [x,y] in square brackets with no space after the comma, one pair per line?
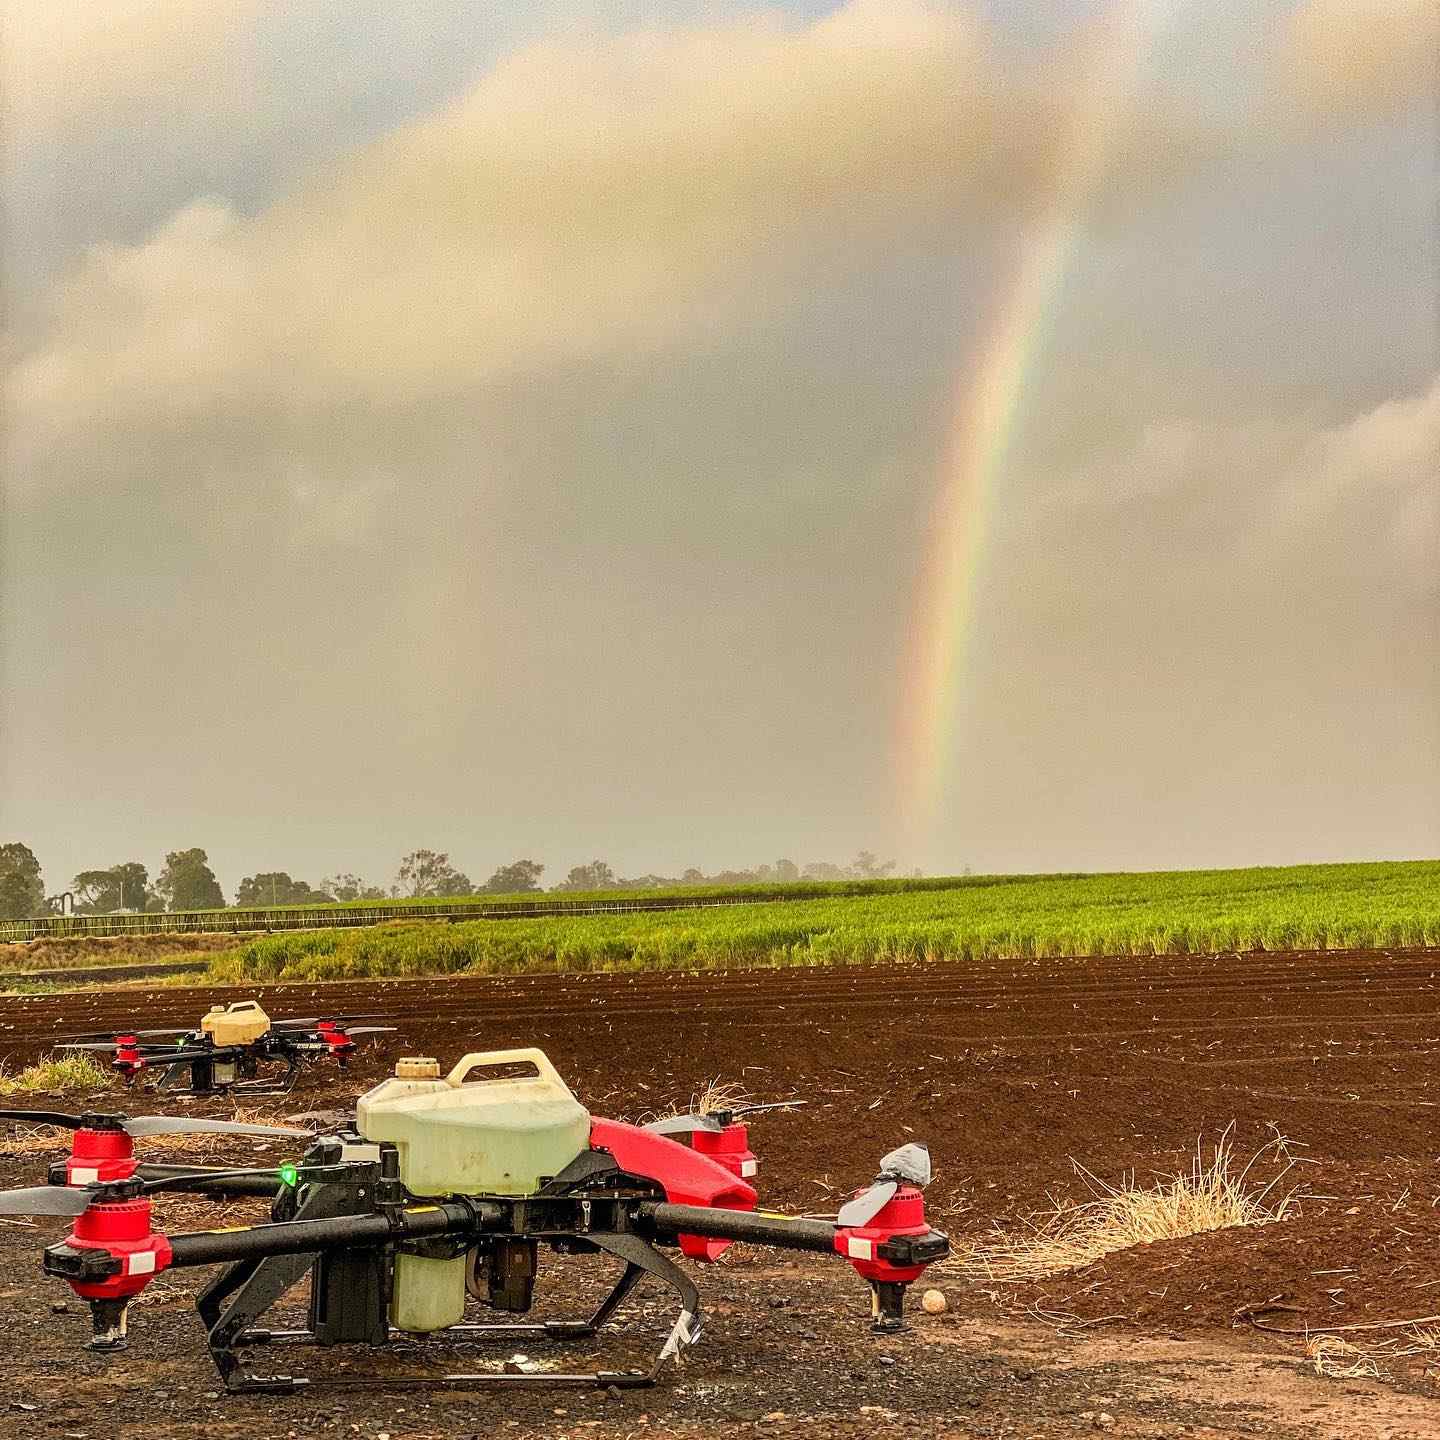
[72,1200]
[75,1200]
[713,1120]
[909,1165]
[137,1125]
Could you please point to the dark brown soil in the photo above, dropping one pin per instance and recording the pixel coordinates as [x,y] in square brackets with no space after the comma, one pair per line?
[1009,1070]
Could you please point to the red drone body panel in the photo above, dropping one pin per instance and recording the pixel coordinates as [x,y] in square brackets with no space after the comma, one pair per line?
[689,1177]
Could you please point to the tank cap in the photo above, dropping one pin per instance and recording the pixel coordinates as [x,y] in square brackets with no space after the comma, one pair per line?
[417,1067]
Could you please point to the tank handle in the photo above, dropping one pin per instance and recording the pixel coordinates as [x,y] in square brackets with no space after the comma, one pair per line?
[239,1006]
[538,1058]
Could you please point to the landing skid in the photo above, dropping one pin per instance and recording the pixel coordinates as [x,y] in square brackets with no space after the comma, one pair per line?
[237,1297]
[203,1084]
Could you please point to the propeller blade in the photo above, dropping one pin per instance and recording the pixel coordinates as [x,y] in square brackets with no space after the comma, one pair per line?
[907,1165]
[42,1117]
[45,1200]
[113,1035]
[682,1124]
[333,1118]
[153,1048]
[771,1105]
[367,1030]
[305,1021]
[196,1125]
[868,1203]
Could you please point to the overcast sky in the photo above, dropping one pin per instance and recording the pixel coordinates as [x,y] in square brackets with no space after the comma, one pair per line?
[517,428]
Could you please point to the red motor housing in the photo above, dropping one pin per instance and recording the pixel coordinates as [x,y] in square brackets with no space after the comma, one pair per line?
[338,1042]
[128,1059]
[729,1147]
[121,1229]
[904,1214]
[98,1155]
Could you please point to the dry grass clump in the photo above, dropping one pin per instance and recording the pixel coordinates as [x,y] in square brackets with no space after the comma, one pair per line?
[1217,1194]
[1341,1359]
[713,1096]
[24,1141]
[718,1095]
[52,1073]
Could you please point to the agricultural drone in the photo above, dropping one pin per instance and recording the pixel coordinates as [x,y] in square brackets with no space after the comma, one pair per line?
[225,1051]
[443,1188]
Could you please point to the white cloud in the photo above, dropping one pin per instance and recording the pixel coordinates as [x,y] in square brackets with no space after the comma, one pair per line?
[1282,489]
[64,61]
[1380,470]
[585,199]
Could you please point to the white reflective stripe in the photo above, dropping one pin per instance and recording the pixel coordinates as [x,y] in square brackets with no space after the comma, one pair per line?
[80,1175]
[141,1262]
[858,1249]
[748,1168]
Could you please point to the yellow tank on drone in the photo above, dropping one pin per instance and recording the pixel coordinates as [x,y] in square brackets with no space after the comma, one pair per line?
[236,1024]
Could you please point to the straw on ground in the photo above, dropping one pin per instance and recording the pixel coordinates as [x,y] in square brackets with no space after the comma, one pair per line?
[1217,1194]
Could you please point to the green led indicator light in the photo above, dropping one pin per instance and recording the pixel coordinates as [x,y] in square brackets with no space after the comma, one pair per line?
[289,1175]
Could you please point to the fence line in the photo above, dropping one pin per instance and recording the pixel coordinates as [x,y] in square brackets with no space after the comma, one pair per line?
[211,922]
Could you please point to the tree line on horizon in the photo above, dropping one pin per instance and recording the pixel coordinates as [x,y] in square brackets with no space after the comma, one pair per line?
[186,882]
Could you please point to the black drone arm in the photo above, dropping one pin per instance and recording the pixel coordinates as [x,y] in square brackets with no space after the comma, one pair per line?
[298,1237]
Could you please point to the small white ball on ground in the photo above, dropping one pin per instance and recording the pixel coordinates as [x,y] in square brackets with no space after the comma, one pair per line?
[933,1302]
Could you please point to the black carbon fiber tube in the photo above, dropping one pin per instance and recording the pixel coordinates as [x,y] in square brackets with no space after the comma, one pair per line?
[261,1184]
[295,1237]
[665,1221]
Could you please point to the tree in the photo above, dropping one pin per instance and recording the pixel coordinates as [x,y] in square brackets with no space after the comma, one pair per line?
[121,887]
[95,892]
[597,875]
[823,870]
[188,883]
[22,891]
[132,880]
[787,872]
[866,867]
[428,874]
[517,876]
[348,888]
[275,887]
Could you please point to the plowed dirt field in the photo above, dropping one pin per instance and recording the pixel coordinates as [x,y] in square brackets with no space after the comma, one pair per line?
[1010,1070]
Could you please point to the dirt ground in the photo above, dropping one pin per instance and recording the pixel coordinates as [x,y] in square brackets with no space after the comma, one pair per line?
[1009,1070]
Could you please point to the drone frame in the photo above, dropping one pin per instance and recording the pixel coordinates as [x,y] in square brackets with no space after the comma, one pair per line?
[342,1216]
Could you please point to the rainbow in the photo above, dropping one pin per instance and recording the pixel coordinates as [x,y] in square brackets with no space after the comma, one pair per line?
[990,397]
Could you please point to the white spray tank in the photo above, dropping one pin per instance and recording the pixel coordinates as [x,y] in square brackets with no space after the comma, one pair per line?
[497,1136]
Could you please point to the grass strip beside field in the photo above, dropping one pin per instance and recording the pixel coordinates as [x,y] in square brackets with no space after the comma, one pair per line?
[1315,907]
[55,1073]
